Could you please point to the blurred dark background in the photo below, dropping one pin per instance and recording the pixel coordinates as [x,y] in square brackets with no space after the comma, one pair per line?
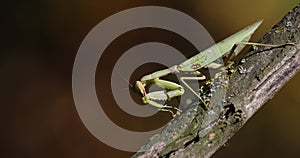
[39,42]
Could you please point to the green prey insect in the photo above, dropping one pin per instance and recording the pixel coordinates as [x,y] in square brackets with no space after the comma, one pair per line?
[232,44]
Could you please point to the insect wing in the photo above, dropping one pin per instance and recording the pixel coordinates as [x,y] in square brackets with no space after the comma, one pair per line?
[216,51]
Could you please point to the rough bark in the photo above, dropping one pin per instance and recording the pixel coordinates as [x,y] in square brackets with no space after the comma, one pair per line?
[200,133]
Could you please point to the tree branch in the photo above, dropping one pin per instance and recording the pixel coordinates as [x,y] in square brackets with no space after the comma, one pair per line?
[200,133]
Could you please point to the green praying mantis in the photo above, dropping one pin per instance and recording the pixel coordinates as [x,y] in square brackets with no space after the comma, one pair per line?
[232,45]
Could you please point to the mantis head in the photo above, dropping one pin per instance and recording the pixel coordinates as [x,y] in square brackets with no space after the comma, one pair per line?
[139,87]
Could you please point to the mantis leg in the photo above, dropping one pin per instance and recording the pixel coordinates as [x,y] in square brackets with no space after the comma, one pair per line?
[232,51]
[191,89]
[265,45]
[174,90]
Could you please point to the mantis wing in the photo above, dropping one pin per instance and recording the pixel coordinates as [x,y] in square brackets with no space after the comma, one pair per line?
[216,51]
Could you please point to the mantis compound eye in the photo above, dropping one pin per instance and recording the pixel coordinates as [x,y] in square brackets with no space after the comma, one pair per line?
[139,88]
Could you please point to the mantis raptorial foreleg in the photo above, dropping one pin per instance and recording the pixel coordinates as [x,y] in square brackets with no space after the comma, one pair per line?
[174,90]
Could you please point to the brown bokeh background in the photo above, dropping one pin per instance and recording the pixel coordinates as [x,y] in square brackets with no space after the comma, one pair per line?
[39,42]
